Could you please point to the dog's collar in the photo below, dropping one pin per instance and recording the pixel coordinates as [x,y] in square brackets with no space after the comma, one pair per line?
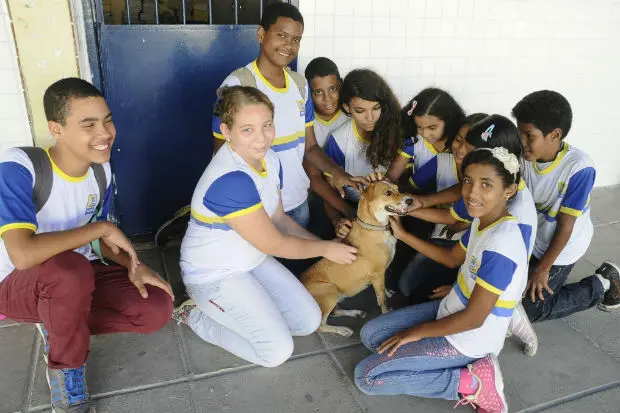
[371,226]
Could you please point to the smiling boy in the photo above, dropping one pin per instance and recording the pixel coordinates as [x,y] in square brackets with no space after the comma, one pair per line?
[279,35]
[49,272]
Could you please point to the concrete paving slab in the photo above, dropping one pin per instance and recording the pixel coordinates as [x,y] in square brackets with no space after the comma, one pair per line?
[605,203]
[175,398]
[600,327]
[349,357]
[603,402]
[604,245]
[207,358]
[121,361]
[567,363]
[7,322]
[16,344]
[307,385]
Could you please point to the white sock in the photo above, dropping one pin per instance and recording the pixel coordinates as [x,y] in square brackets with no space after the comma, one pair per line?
[604,281]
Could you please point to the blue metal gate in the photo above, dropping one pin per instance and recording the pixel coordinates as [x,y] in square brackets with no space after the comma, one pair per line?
[160,82]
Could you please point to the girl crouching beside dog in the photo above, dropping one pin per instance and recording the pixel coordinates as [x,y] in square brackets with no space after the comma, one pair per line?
[448,348]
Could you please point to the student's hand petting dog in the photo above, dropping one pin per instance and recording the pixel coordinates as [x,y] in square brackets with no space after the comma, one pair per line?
[343,227]
[376,177]
[397,228]
[440,292]
[143,276]
[340,253]
[539,281]
[342,179]
[400,339]
[117,241]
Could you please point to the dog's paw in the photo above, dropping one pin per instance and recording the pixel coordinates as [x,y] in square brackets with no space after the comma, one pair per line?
[349,313]
[386,310]
[389,293]
[343,331]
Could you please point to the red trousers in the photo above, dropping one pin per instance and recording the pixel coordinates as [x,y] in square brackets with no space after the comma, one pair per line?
[75,298]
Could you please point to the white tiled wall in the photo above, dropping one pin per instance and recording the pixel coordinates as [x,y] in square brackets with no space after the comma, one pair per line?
[14,125]
[487,53]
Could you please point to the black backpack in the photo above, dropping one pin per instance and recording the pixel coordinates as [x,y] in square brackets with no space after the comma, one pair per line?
[43,178]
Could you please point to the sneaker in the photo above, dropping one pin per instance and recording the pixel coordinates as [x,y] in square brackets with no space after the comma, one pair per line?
[521,327]
[181,313]
[489,397]
[68,390]
[175,227]
[46,344]
[610,271]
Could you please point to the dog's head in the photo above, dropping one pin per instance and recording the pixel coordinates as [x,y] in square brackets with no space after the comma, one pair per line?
[381,199]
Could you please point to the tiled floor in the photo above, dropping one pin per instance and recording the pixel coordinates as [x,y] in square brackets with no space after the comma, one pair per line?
[576,370]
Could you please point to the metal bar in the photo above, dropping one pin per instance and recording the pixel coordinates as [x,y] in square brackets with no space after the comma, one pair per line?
[260,11]
[128,11]
[236,12]
[156,11]
[184,16]
[210,12]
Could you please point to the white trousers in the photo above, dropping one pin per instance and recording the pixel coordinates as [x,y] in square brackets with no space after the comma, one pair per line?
[255,314]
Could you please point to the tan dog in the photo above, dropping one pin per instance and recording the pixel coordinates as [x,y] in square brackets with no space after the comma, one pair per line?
[329,282]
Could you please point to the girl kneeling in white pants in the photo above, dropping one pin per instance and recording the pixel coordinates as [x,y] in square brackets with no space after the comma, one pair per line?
[243,300]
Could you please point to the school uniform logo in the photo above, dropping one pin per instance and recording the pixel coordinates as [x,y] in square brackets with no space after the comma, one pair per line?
[91,204]
[474,266]
[302,108]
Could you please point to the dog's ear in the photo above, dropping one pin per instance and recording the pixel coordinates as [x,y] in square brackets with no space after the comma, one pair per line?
[368,191]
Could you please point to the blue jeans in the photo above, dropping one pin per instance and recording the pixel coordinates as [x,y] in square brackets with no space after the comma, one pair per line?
[301,214]
[422,275]
[566,299]
[430,367]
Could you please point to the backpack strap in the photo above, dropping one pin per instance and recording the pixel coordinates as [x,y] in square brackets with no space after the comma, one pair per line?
[299,80]
[102,183]
[43,175]
[245,76]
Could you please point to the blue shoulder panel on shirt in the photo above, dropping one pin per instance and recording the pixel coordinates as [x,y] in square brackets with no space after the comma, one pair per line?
[309,105]
[464,241]
[425,178]
[230,193]
[16,204]
[333,151]
[496,270]
[460,209]
[578,192]
[526,232]
[281,175]
[408,147]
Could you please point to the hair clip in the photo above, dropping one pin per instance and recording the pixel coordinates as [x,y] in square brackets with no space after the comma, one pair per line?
[413,105]
[488,133]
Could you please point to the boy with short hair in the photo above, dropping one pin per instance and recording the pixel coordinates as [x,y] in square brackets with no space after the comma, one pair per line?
[49,272]
[279,35]
[560,178]
[324,79]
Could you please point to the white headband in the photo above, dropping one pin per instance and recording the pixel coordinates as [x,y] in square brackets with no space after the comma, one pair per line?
[509,160]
